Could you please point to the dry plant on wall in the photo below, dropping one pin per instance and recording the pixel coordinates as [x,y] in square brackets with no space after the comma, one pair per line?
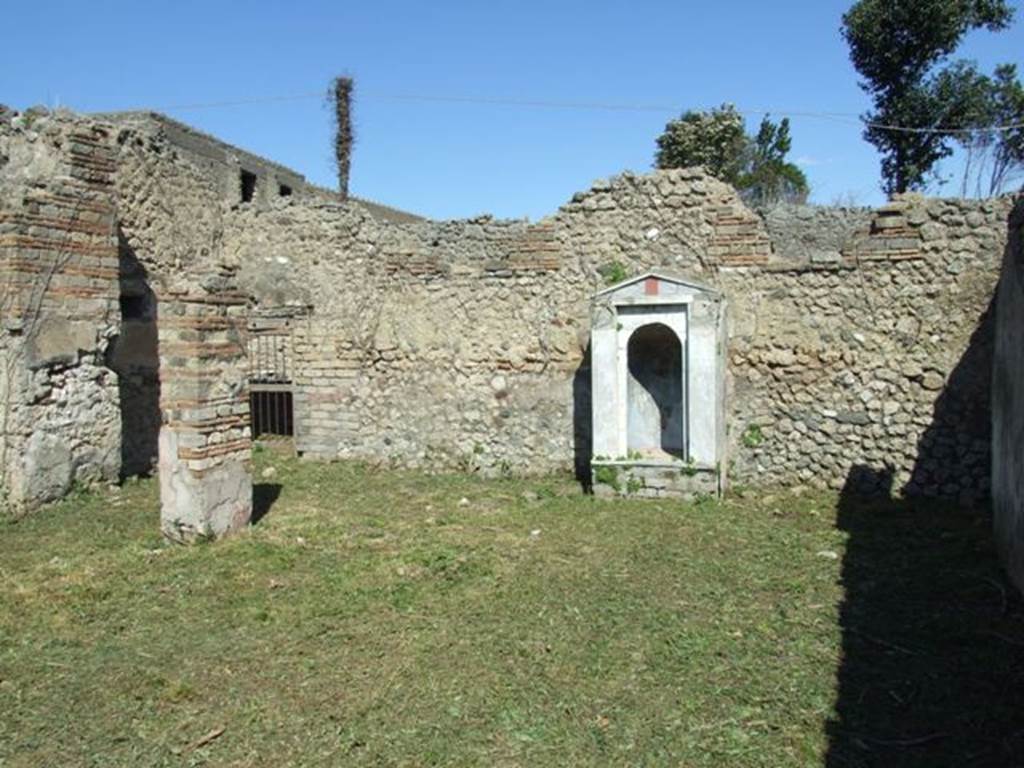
[341,98]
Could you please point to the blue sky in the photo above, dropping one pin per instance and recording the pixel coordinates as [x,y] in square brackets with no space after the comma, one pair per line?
[449,159]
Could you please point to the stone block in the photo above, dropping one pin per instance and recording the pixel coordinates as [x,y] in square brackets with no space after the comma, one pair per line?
[48,468]
[59,341]
[208,501]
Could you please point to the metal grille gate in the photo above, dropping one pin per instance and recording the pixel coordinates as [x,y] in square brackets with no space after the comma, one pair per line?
[270,379]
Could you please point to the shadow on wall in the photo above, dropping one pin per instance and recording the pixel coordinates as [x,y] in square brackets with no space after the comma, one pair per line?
[134,357]
[932,666]
[954,452]
[582,427]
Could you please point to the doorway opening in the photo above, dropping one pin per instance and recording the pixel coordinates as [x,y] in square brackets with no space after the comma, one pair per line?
[133,355]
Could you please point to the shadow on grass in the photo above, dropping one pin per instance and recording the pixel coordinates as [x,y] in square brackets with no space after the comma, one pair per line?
[932,669]
[263,497]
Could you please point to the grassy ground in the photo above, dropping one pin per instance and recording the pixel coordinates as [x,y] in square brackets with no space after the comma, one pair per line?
[374,618]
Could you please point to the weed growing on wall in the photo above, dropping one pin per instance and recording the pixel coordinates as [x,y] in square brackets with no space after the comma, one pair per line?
[613,272]
[753,436]
[607,476]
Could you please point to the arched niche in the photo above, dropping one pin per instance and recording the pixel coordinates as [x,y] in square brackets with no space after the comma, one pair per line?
[658,387]
[655,417]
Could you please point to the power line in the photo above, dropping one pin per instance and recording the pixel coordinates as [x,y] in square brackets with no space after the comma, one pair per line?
[231,103]
[845,117]
[842,117]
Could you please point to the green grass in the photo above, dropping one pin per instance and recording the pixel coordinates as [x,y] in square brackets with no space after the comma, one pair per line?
[371,619]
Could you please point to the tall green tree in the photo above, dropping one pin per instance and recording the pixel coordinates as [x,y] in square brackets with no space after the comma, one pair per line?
[897,47]
[717,140]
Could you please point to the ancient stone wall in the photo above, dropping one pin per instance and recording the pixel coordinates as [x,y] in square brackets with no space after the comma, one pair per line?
[116,308]
[1008,405]
[59,415]
[385,367]
[854,337]
[861,338]
[221,163]
[171,208]
[879,359]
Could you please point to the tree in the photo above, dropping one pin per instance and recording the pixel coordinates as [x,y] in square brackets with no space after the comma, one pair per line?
[1007,110]
[717,140]
[768,178]
[995,153]
[896,46]
[714,139]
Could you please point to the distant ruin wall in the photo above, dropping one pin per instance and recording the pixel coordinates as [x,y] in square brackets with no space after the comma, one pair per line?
[220,163]
[1008,405]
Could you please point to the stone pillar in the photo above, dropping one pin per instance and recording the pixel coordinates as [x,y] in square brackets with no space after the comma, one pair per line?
[603,381]
[205,440]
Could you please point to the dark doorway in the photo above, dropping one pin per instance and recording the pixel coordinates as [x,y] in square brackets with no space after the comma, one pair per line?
[248,186]
[133,355]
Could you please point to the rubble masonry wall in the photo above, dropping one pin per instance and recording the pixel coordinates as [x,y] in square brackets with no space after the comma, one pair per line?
[855,337]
